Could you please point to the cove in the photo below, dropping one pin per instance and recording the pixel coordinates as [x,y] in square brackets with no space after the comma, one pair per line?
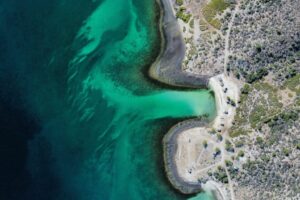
[101,127]
[133,174]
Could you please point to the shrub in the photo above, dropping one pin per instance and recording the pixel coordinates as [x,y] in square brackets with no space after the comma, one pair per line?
[217,151]
[237,132]
[255,76]
[246,89]
[228,146]
[286,151]
[228,163]
[179,2]
[239,143]
[241,154]
[220,137]
[221,175]
[265,158]
[213,131]
[259,140]
[192,23]
[293,84]
[211,9]
[182,15]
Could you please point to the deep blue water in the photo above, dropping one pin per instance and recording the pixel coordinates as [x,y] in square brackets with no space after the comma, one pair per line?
[31,31]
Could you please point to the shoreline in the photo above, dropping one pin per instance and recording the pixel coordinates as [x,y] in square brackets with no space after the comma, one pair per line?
[176,164]
[170,147]
[167,66]
[167,70]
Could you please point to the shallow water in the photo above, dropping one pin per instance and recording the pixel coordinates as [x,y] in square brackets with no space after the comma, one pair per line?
[99,121]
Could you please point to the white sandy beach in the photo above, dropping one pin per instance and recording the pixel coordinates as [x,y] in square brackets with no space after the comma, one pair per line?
[219,84]
[192,159]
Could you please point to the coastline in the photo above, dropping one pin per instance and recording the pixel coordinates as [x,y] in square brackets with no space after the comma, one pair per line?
[196,131]
[170,147]
[167,66]
[167,69]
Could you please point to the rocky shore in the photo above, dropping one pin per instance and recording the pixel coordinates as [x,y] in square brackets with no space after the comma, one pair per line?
[168,69]
[168,66]
[186,169]
[170,148]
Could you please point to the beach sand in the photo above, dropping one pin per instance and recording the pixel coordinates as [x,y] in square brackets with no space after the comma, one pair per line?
[192,160]
[219,84]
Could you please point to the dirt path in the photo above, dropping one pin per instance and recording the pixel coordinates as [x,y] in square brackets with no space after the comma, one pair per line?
[230,185]
[226,55]
[227,37]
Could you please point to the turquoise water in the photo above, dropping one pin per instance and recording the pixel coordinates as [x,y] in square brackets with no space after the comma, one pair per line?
[101,121]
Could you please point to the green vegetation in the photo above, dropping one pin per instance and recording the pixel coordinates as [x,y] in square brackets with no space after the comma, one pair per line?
[259,140]
[212,131]
[261,113]
[204,143]
[291,73]
[203,25]
[239,144]
[246,89]
[192,23]
[179,2]
[271,140]
[240,154]
[229,146]
[181,14]
[237,132]
[240,118]
[228,163]
[192,51]
[265,158]
[258,48]
[260,104]
[217,151]
[255,76]
[286,151]
[250,165]
[257,115]
[220,137]
[213,8]
[293,84]
[221,175]
[285,117]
